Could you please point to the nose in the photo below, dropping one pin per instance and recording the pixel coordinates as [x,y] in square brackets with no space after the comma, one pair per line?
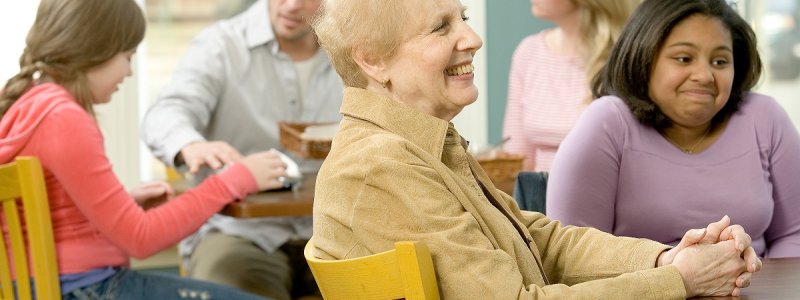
[293,4]
[703,72]
[468,39]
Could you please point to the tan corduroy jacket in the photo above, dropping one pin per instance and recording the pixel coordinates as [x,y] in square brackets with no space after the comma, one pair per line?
[395,173]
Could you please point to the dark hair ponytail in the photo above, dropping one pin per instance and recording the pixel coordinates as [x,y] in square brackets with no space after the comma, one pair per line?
[19,84]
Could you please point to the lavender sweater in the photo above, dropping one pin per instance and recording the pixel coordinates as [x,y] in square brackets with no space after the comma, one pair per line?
[619,176]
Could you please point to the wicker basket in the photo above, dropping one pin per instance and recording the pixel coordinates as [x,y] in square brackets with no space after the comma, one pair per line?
[501,166]
[291,139]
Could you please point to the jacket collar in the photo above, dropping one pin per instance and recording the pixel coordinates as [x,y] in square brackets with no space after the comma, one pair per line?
[425,131]
[257,28]
[258,31]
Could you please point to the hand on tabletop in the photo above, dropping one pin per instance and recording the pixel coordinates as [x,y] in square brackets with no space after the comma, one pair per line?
[267,168]
[214,154]
[152,194]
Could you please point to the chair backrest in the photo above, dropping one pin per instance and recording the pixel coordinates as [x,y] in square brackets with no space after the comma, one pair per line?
[530,191]
[23,179]
[403,272]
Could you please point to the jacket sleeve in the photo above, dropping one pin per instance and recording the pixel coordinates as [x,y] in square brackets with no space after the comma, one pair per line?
[419,206]
[582,186]
[586,259]
[184,107]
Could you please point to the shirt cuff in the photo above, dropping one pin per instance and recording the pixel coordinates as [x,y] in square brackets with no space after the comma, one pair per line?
[174,144]
[239,181]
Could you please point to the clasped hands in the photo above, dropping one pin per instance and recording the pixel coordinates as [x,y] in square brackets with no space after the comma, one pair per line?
[715,261]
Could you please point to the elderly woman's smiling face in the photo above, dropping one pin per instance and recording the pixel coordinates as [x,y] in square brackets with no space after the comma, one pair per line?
[432,70]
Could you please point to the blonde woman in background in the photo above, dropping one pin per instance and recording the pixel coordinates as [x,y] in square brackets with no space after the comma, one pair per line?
[548,82]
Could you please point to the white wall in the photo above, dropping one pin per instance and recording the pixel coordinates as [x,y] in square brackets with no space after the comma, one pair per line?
[16,17]
[119,122]
[472,122]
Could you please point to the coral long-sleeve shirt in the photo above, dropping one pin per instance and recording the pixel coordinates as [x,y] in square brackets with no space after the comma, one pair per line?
[96,222]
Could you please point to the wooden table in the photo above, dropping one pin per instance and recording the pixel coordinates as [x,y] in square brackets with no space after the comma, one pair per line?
[294,203]
[779,279]
[281,203]
[506,186]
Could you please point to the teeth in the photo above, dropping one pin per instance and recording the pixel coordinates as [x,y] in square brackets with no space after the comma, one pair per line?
[460,70]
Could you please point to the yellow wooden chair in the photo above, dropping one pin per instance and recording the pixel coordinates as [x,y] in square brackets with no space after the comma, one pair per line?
[23,179]
[403,272]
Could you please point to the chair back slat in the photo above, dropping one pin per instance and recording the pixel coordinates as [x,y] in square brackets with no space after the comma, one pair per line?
[403,272]
[416,266]
[22,181]
[40,228]
[20,257]
[5,270]
[9,183]
[530,191]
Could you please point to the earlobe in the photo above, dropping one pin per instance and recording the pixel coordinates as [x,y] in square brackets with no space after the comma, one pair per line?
[373,68]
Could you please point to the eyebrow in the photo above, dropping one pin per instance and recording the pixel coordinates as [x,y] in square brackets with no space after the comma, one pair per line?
[463,10]
[446,15]
[687,44]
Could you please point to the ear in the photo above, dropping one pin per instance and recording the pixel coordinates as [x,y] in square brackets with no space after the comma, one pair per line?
[373,68]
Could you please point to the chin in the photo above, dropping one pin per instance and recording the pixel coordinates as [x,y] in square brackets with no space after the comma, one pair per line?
[464,102]
[469,99]
[102,100]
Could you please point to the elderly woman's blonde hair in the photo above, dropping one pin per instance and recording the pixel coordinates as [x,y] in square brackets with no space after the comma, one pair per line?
[374,27]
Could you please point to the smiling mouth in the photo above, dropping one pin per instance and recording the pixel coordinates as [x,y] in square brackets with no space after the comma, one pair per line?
[460,70]
[293,21]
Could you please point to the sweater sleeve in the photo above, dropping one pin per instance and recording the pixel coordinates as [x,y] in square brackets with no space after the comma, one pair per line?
[783,234]
[582,186]
[71,147]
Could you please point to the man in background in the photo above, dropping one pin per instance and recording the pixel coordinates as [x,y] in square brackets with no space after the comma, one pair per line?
[239,78]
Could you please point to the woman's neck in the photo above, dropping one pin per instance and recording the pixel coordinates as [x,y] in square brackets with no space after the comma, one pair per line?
[694,139]
[565,41]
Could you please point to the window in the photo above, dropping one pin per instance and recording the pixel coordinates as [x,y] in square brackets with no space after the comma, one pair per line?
[777,25]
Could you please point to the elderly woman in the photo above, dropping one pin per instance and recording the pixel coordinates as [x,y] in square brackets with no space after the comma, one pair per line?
[398,170]
[678,137]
